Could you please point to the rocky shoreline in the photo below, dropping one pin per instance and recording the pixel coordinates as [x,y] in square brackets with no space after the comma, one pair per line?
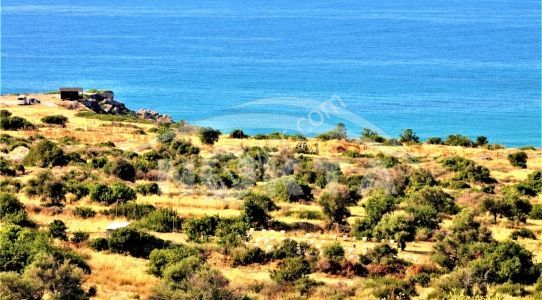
[104,103]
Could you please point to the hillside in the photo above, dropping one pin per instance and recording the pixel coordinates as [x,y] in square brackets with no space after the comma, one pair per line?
[277,216]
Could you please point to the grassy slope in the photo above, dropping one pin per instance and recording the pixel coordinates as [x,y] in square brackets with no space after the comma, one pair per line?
[123,277]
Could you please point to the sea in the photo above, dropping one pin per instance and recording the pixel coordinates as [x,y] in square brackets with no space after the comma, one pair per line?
[439,67]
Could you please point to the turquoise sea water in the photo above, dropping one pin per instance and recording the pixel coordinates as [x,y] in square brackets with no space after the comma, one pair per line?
[438,67]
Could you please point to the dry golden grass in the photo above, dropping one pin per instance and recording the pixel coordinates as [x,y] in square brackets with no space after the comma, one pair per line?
[118,276]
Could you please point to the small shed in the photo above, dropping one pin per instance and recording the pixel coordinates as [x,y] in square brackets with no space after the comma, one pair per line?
[114,226]
[71,93]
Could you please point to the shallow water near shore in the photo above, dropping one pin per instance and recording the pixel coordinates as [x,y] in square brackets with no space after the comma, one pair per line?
[438,67]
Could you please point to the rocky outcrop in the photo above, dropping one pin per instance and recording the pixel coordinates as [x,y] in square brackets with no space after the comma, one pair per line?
[151,115]
[107,106]
[103,103]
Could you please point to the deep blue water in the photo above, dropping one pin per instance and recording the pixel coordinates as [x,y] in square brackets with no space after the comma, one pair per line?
[438,67]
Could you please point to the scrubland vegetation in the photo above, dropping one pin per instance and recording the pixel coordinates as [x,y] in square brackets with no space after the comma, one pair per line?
[275,216]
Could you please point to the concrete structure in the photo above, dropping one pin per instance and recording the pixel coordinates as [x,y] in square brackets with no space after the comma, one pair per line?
[71,93]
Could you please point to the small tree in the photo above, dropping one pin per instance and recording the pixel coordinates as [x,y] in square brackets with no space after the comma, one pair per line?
[60,278]
[378,204]
[518,159]
[134,242]
[434,141]
[238,134]
[337,133]
[371,135]
[209,135]
[122,169]
[481,141]
[496,207]
[57,230]
[291,269]
[334,205]
[45,154]
[79,237]
[408,136]
[199,230]
[255,210]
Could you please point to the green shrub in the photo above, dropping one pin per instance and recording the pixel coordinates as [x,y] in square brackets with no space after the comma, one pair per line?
[309,214]
[84,212]
[161,259]
[5,168]
[231,233]
[148,189]
[199,230]
[9,205]
[397,226]
[238,134]
[117,193]
[179,272]
[122,169]
[289,248]
[523,233]
[51,189]
[247,256]
[518,159]
[55,119]
[288,189]
[209,135]
[134,242]
[255,210]
[459,140]
[371,135]
[99,244]
[166,135]
[434,197]
[183,147]
[56,277]
[512,289]
[45,154]
[408,136]
[536,212]
[4,113]
[392,288]
[334,255]
[79,189]
[337,133]
[10,185]
[161,220]
[467,169]
[57,230]
[387,161]
[434,141]
[419,179]
[8,122]
[13,211]
[334,202]
[98,162]
[379,203]
[79,237]
[481,141]
[291,269]
[499,259]
[14,286]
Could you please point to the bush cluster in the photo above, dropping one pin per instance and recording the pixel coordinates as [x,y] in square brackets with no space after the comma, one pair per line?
[9,122]
[45,154]
[134,242]
[55,119]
